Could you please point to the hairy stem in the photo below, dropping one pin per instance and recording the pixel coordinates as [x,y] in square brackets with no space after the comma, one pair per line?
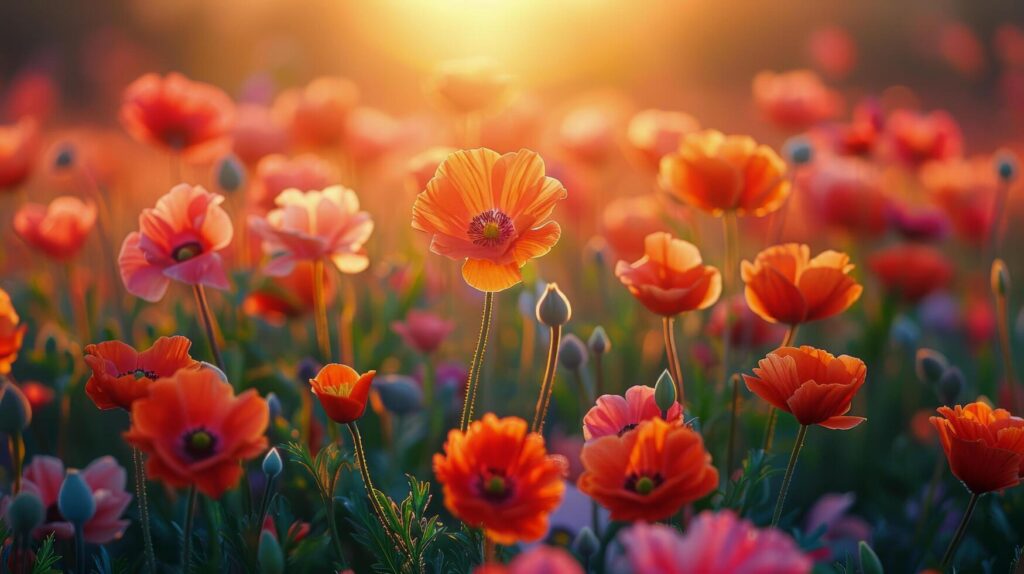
[473,380]
[547,384]
[781,502]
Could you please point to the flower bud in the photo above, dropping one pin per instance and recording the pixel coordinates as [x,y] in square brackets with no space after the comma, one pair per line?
[15,410]
[400,394]
[65,157]
[599,342]
[665,392]
[269,554]
[230,174]
[950,385]
[274,405]
[220,374]
[1000,278]
[308,368]
[572,353]
[553,309]
[272,464]
[798,150]
[930,366]
[25,513]
[1006,165]
[586,543]
[905,332]
[75,499]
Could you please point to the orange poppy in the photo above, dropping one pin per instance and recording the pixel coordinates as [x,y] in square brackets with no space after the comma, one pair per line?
[12,332]
[120,374]
[648,473]
[318,113]
[984,446]
[342,391]
[197,432]
[717,173]
[469,86]
[653,134]
[785,285]
[178,114]
[917,137]
[490,210]
[911,270]
[670,278]
[500,477]
[627,221]
[277,299]
[59,229]
[810,384]
[19,146]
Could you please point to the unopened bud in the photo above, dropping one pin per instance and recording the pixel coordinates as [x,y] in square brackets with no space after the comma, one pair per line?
[553,309]
[950,385]
[230,174]
[75,500]
[269,554]
[572,353]
[1006,165]
[665,392]
[1000,278]
[798,150]
[15,410]
[274,405]
[599,342]
[25,513]
[930,365]
[586,543]
[272,464]
[400,394]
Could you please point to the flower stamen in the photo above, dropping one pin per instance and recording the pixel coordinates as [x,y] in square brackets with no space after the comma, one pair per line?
[491,228]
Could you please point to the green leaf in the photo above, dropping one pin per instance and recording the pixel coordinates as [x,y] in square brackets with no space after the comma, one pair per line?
[869,562]
[46,558]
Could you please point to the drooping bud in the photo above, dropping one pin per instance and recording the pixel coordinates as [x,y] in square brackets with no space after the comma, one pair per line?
[665,392]
[269,554]
[950,385]
[599,342]
[1006,165]
[1000,278]
[553,309]
[15,409]
[572,353]
[25,513]
[230,174]
[798,150]
[586,543]
[930,365]
[272,464]
[75,499]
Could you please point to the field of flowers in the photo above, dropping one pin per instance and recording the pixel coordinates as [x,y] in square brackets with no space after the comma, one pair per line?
[314,318]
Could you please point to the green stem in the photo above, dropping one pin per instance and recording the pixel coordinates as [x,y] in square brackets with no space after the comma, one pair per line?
[364,471]
[669,333]
[473,379]
[17,446]
[606,541]
[142,497]
[773,413]
[960,530]
[334,529]
[207,319]
[323,334]
[79,550]
[1002,322]
[731,452]
[547,384]
[190,517]
[799,444]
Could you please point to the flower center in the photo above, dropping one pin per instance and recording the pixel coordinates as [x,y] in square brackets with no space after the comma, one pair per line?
[187,251]
[495,486]
[200,444]
[643,485]
[627,428]
[491,228]
[140,374]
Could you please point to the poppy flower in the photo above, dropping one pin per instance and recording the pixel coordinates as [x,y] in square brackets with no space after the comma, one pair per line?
[12,333]
[370,133]
[984,446]
[861,135]
[811,384]
[747,329]
[671,277]
[653,134]
[276,173]
[714,543]
[587,134]
[911,270]
[38,394]
[312,226]
[795,100]
[257,133]
[617,415]
[179,239]
[277,299]
[121,375]
[178,114]
[540,559]
[469,86]
[841,531]
[490,210]
[965,190]
[847,193]
[498,476]
[627,221]
[104,477]
[422,330]
[19,146]
[785,285]
[648,473]
[318,113]
[59,229]
[717,173]
[833,50]
[342,391]
[195,431]
[915,137]
[421,167]
[920,223]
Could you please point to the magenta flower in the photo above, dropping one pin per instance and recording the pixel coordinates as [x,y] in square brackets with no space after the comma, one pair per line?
[43,477]
[714,543]
[614,415]
[423,330]
[179,239]
[842,530]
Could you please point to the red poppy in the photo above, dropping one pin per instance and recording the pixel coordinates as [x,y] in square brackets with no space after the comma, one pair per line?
[121,375]
[984,446]
[342,391]
[911,270]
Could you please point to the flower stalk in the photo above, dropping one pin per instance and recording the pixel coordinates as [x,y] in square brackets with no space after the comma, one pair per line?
[781,502]
[143,500]
[960,530]
[548,382]
[208,323]
[668,330]
[473,379]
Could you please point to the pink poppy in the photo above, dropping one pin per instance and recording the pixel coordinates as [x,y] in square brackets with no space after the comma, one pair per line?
[795,100]
[423,330]
[43,477]
[318,113]
[537,560]
[616,415]
[179,239]
[315,225]
[276,173]
[714,543]
[59,229]
[257,133]
[370,133]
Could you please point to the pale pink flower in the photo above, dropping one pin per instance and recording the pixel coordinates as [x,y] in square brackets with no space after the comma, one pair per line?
[179,239]
[615,415]
[423,330]
[314,225]
[58,229]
